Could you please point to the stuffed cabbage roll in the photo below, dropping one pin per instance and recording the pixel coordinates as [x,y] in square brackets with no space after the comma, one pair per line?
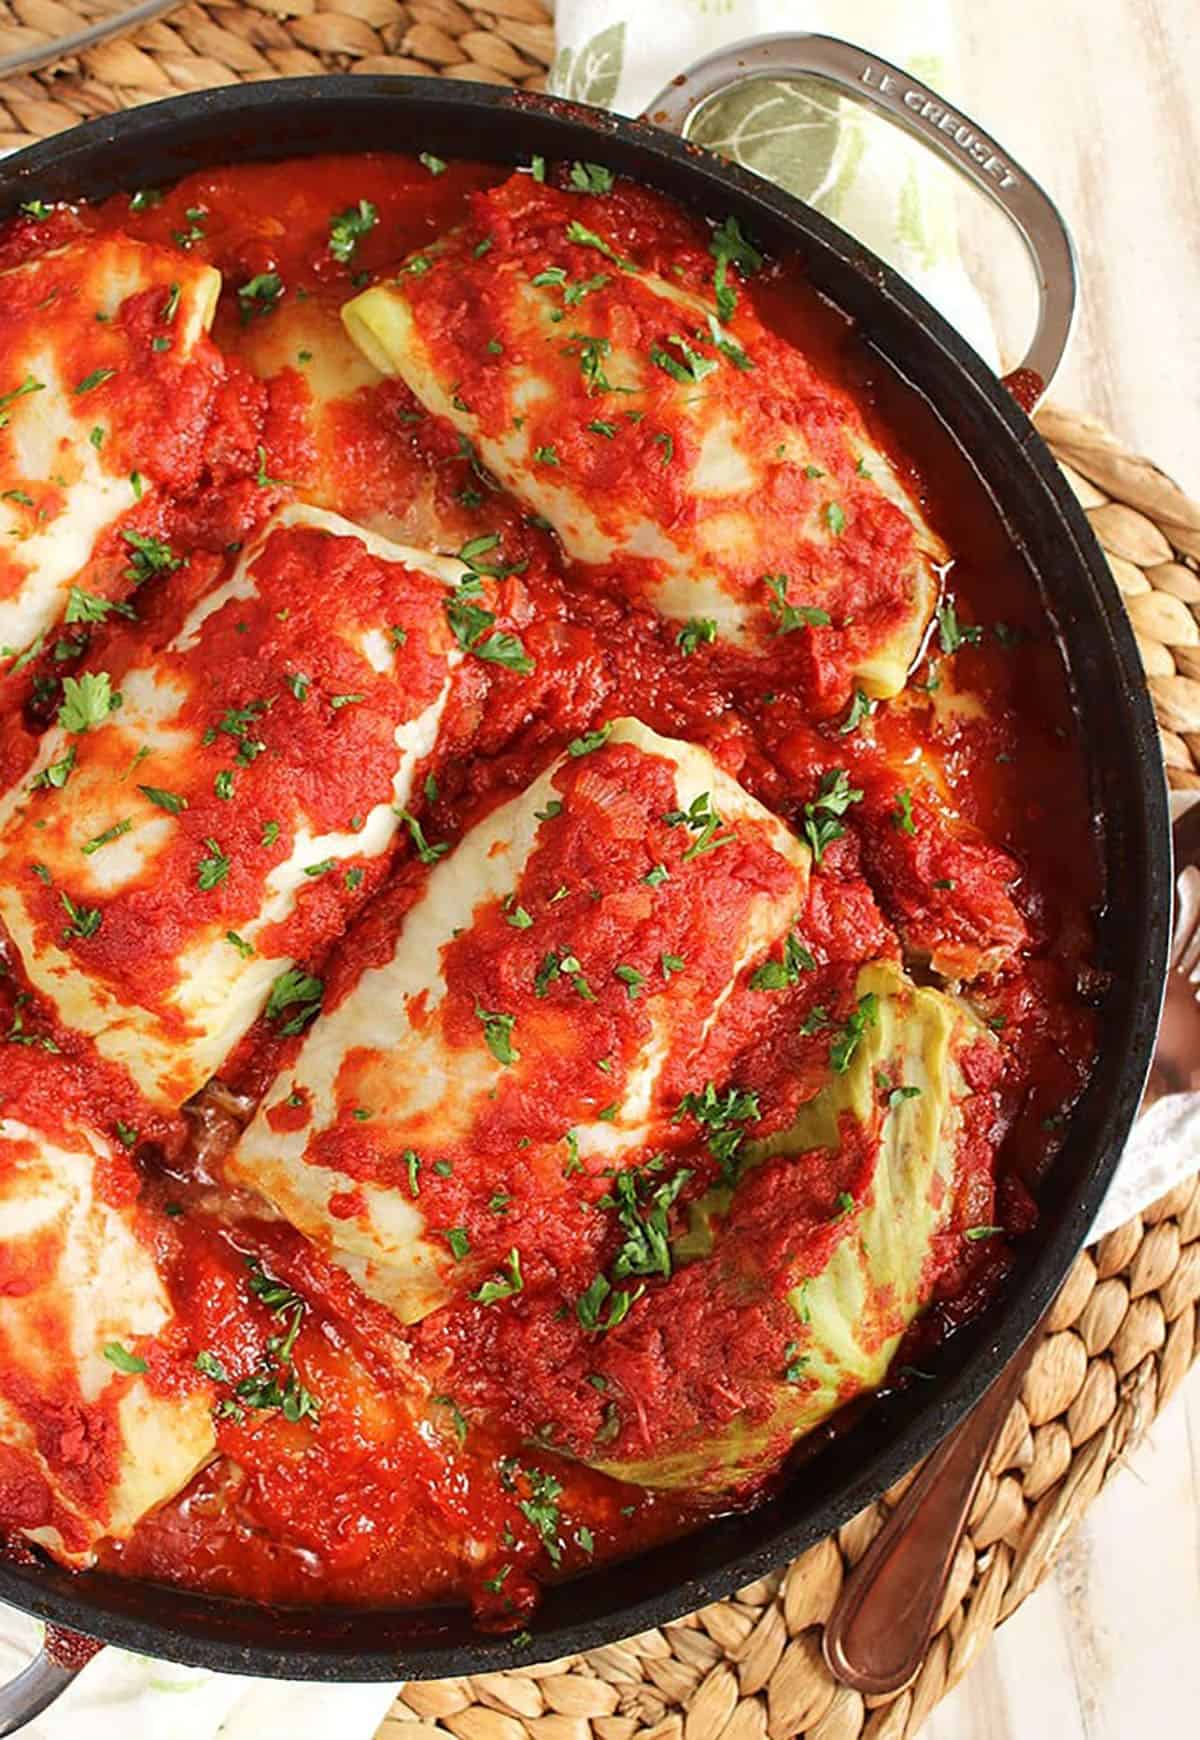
[194,825]
[566,969]
[100,1419]
[677,446]
[106,380]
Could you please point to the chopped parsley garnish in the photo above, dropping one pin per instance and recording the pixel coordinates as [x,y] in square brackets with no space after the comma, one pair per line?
[298,990]
[598,427]
[245,949]
[474,629]
[815,1021]
[87,607]
[591,178]
[150,556]
[704,821]
[560,963]
[951,633]
[223,784]
[518,918]
[130,1363]
[789,617]
[87,701]
[861,707]
[834,517]
[28,385]
[573,294]
[722,1114]
[503,1285]
[696,631]
[412,1165]
[591,353]
[213,868]
[270,833]
[84,920]
[337,702]
[589,741]
[546,456]
[793,1371]
[209,1366]
[275,1384]
[846,1044]
[975,1233]
[692,369]
[902,815]
[298,684]
[476,548]
[27,657]
[777,975]
[425,852]
[498,1031]
[108,836]
[195,229]
[145,199]
[458,1418]
[541,1509]
[56,775]
[643,1213]
[17,1034]
[348,228]
[97,378]
[589,1307]
[585,238]
[898,1095]
[235,722]
[537,167]
[259,295]
[320,869]
[671,964]
[729,247]
[833,799]
[728,347]
[34,208]
[460,1244]
[126,1134]
[553,808]
[657,876]
[633,981]
[435,165]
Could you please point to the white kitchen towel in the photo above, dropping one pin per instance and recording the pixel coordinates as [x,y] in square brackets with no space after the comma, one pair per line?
[858,169]
[884,189]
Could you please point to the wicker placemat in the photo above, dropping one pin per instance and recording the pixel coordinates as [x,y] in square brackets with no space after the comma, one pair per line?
[1120,1338]
[510,42]
[1125,1328]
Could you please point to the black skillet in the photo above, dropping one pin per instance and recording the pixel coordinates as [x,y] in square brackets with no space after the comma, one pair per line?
[295,117]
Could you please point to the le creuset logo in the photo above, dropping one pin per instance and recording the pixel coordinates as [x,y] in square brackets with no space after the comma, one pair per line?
[944,119]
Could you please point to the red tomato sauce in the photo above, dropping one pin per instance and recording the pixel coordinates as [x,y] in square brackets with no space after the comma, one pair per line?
[368,1498]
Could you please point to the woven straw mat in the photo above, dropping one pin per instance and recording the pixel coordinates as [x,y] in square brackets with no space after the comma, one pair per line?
[1125,1328]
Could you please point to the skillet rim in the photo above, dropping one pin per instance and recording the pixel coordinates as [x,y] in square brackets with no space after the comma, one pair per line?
[204,1631]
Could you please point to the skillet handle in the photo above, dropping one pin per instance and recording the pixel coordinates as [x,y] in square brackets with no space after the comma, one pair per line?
[947,131]
[34,1690]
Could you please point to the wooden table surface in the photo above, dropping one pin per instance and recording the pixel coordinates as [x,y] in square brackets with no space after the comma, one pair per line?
[1100,99]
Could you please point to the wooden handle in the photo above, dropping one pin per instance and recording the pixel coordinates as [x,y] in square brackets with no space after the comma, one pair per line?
[883,1622]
